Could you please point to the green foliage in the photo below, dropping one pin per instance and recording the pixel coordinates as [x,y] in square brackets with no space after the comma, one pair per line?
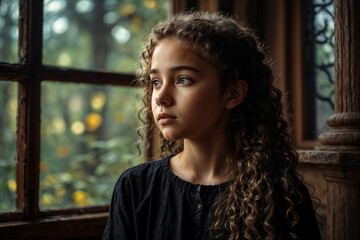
[89,136]
[8,101]
[9,30]
[98,34]
[88,132]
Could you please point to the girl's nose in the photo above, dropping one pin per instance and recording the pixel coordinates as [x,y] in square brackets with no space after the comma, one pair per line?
[163,96]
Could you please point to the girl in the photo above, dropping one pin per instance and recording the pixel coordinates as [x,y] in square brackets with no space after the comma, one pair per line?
[229,171]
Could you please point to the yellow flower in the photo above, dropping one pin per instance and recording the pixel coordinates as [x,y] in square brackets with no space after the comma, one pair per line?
[64,59]
[93,121]
[43,166]
[46,199]
[127,9]
[77,127]
[81,198]
[60,191]
[12,185]
[150,4]
[65,177]
[62,151]
[98,100]
[43,185]
[58,125]
[51,178]
[136,23]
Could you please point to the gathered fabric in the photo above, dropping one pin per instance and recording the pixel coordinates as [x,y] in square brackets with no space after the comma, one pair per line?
[151,202]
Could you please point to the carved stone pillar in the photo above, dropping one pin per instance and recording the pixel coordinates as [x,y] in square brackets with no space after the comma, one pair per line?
[339,157]
[345,122]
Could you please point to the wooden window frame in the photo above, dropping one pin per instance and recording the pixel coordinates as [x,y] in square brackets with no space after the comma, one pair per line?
[297,75]
[283,32]
[28,221]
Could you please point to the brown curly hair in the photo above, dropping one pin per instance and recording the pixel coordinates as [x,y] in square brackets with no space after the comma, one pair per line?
[261,158]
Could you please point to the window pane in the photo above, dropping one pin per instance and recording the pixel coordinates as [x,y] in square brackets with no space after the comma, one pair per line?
[97,34]
[8,108]
[9,14]
[319,63]
[324,63]
[88,138]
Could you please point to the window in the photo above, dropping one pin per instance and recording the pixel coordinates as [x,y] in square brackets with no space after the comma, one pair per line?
[319,67]
[312,77]
[315,102]
[68,107]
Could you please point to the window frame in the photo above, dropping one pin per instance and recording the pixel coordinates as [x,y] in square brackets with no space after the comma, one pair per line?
[297,76]
[28,221]
[284,32]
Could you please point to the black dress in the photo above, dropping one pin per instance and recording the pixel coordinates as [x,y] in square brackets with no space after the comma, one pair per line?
[151,202]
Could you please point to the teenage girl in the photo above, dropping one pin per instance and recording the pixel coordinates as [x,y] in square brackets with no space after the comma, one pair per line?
[228,169]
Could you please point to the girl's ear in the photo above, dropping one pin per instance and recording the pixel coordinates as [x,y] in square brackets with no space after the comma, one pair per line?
[236,94]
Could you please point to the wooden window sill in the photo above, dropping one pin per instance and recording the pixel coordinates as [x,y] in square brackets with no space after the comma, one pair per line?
[85,226]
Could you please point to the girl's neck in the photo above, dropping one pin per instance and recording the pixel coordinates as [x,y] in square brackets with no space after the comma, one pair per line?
[202,162]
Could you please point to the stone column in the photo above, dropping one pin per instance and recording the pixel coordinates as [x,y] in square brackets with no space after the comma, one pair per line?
[345,122]
[339,156]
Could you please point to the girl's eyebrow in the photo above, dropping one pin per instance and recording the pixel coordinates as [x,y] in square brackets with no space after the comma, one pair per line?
[177,68]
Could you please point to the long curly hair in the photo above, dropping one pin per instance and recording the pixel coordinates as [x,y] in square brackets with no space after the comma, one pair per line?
[261,159]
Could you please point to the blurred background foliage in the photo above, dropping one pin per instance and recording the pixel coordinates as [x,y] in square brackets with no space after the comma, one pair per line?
[8,103]
[92,33]
[9,12]
[88,132]
[88,137]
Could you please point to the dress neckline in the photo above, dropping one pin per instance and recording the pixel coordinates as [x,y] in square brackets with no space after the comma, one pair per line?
[188,185]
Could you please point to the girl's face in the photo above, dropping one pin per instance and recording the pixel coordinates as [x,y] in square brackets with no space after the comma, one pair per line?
[186,100]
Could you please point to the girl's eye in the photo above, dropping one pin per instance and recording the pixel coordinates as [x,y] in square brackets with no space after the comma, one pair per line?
[184,81]
[155,83]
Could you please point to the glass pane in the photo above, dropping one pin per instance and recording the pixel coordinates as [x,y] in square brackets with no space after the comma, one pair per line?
[88,138]
[97,34]
[319,67]
[324,63]
[8,109]
[9,14]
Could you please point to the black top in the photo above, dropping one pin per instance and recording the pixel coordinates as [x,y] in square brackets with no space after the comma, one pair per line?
[151,202]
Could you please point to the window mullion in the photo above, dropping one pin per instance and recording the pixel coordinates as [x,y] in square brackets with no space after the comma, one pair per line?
[12,72]
[61,74]
[28,119]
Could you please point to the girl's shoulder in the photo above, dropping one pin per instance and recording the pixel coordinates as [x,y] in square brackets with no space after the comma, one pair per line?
[147,168]
[144,173]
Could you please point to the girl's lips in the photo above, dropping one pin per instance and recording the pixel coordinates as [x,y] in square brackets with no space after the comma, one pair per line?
[165,121]
[165,118]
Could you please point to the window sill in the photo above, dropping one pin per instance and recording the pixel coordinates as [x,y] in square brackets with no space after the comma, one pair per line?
[86,226]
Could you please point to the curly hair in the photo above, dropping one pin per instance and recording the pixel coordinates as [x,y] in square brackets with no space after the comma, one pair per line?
[261,159]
